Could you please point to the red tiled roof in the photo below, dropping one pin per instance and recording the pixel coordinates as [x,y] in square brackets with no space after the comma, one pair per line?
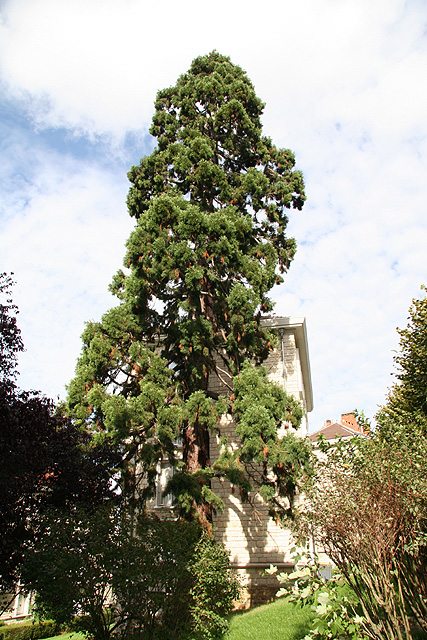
[332,431]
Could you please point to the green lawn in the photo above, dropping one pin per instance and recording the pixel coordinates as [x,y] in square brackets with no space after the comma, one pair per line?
[68,636]
[280,620]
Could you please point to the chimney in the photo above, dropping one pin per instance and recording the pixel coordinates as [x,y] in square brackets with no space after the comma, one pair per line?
[349,420]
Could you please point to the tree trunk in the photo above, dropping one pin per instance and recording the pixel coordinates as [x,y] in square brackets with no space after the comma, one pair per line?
[196,456]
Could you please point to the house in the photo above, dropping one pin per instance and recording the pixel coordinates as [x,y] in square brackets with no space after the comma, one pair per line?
[15,606]
[254,540]
[346,428]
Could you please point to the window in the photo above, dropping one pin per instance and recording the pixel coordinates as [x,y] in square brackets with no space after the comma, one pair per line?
[164,474]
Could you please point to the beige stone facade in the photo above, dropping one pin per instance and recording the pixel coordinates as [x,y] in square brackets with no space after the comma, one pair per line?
[248,532]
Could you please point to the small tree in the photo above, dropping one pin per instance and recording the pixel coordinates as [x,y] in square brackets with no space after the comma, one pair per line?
[368,503]
[407,400]
[45,460]
[372,523]
[214,589]
[152,578]
[10,335]
[70,569]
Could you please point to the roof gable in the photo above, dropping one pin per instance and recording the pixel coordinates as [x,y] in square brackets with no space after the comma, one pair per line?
[333,431]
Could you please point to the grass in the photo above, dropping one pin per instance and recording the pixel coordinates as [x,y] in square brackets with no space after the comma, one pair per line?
[281,620]
[68,636]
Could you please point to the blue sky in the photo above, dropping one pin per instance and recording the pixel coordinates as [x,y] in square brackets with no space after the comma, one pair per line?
[344,82]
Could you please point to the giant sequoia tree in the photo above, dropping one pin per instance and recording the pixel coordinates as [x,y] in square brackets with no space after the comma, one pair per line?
[211,207]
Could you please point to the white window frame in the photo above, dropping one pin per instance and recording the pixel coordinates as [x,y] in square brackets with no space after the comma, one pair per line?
[165,472]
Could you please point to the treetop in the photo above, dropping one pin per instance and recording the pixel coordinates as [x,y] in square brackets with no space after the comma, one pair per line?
[211,150]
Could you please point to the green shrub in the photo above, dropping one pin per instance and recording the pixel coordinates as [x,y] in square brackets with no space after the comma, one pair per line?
[167,581]
[214,591]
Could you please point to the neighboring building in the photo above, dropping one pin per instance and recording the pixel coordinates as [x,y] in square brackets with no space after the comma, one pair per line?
[254,540]
[15,607]
[332,431]
[346,428]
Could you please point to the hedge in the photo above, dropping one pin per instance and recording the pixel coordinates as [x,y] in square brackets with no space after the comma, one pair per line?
[29,630]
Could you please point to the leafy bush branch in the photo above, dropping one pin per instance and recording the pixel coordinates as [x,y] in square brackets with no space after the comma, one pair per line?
[335,605]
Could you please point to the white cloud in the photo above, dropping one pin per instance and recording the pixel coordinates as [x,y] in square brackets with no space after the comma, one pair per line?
[97,65]
[63,246]
[343,81]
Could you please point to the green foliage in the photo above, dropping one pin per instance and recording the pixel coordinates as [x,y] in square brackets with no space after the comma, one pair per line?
[108,574]
[211,208]
[152,579]
[70,570]
[69,636]
[260,409]
[407,400]
[29,630]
